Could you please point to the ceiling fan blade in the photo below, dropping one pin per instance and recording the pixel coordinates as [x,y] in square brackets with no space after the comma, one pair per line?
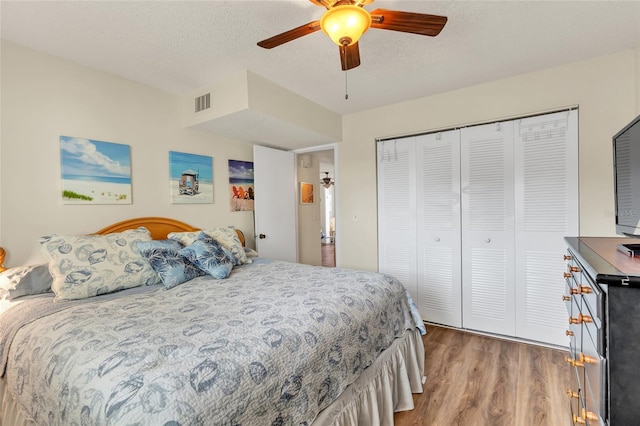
[325,3]
[408,22]
[349,56]
[290,35]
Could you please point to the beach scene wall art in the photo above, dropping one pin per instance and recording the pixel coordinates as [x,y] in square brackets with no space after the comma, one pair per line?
[241,190]
[95,172]
[190,178]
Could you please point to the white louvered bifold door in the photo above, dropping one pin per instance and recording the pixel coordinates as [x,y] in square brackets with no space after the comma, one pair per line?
[487,228]
[397,211]
[438,227]
[546,167]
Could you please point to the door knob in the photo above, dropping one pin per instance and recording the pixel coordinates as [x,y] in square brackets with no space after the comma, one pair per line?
[262,236]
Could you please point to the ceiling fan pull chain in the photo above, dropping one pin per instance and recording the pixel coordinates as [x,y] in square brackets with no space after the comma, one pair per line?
[346,86]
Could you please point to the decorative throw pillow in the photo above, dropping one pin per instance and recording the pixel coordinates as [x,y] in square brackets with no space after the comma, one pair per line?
[210,256]
[250,252]
[170,265]
[91,265]
[25,281]
[228,237]
[225,235]
[184,238]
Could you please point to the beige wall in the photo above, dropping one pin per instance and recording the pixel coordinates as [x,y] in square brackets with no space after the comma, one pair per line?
[290,107]
[605,89]
[44,97]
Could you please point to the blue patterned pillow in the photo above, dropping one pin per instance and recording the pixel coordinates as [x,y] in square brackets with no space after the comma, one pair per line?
[210,256]
[225,235]
[165,258]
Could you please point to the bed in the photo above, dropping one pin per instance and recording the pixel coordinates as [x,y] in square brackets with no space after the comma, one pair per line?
[274,343]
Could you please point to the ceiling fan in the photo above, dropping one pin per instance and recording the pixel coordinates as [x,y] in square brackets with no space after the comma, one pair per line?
[326,181]
[346,20]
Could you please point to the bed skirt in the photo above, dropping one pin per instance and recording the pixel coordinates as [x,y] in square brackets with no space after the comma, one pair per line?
[382,389]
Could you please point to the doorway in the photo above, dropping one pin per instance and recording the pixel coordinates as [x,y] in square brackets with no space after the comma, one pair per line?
[327,208]
[317,236]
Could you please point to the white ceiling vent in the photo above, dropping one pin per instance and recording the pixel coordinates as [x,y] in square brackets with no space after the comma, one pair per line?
[203,102]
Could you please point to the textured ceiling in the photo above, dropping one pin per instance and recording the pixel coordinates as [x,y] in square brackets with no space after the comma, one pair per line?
[180,46]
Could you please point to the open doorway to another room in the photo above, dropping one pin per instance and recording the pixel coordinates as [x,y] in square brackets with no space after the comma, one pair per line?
[328,214]
[316,221]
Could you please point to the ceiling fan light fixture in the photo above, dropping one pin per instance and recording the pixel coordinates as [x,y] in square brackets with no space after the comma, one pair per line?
[327,181]
[345,24]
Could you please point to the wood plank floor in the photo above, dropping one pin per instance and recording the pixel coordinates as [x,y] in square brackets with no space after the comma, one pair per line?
[475,380]
[328,255]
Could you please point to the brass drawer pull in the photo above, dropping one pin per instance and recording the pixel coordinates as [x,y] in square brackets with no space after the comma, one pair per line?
[574,269]
[586,415]
[573,320]
[567,275]
[569,333]
[581,318]
[567,257]
[581,289]
[573,362]
[586,359]
[566,298]
[570,393]
[589,415]
[579,420]
[584,318]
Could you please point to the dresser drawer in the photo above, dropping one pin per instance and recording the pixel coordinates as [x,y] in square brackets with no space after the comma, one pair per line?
[568,296]
[591,414]
[593,307]
[573,274]
[592,325]
[594,378]
[576,399]
[588,310]
[574,329]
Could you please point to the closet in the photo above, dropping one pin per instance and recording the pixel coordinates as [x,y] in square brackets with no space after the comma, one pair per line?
[472,221]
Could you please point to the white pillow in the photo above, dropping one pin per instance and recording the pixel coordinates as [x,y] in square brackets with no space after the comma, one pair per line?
[25,281]
[91,265]
[250,252]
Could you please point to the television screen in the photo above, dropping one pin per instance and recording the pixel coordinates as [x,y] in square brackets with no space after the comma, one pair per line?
[626,167]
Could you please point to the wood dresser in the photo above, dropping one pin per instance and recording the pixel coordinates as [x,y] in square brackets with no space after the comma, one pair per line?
[603,301]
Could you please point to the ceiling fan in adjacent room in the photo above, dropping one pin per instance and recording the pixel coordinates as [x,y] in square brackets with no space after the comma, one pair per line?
[346,20]
[326,181]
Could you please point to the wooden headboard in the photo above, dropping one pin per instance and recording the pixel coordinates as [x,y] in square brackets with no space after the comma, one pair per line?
[159,227]
[3,254]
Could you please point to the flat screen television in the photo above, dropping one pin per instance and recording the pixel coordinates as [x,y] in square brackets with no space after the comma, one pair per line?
[626,168]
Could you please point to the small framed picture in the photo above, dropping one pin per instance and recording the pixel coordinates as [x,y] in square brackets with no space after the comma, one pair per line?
[306,193]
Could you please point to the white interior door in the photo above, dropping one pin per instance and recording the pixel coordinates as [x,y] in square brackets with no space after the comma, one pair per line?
[488,271]
[275,203]
[546,166]
[397,211]
[438,227]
